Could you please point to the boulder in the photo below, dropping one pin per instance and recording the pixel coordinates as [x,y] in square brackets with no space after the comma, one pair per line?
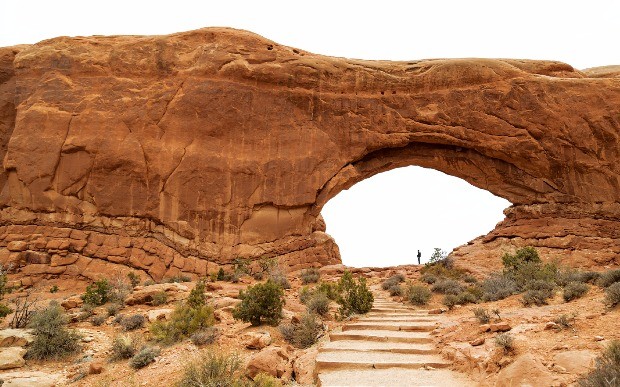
[12,357]
[15,337]
[30,379]
[144,294]
[575,362]
[500,327]
[95,367]
[72,302]
[158,314]
[256,340]
[272,360]
[476,342]
[304,367]
[525,371]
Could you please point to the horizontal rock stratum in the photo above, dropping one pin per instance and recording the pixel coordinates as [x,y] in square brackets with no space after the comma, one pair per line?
[179,153]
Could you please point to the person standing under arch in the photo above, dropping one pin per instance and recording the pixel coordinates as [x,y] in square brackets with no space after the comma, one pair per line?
[419,257]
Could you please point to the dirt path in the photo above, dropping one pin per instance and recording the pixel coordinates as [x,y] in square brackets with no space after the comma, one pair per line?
[389,346]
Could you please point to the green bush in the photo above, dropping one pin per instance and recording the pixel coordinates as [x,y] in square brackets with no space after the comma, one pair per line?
[178,279]
[144,357]
[330,289]
[319,304]
[205,336]
[52,339]
[462,298]
[221,274]
[609,278]
[612,295]
[123,347]
[97,293]
[304,334]
[523,256]
[418,294]
[526,266]
[5,310]
[134,279]
[113,309]
[354,297]
[574,290]
[133,322]
[159,298]
[447,286]
[482,315]
[607,371]
[197,297]
[260,303]
[183,322]
[497,287]
[450,300]
[310,276]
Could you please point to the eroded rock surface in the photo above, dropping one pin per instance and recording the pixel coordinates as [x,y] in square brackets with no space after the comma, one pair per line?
[176,154]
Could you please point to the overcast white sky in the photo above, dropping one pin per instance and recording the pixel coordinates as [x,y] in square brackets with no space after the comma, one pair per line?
[385,219]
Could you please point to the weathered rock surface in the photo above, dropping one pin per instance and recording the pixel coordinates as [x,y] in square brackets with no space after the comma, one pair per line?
[525,371]
[12,357]
[175,154]
[272,361]
[15,337]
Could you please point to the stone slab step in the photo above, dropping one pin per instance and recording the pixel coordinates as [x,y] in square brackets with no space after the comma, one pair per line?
[387,326]
[377,360]
[380,335]
[393,377]
[397,319]
[379,346]
[395,314]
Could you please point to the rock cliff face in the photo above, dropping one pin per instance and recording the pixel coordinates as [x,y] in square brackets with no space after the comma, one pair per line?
[179,153]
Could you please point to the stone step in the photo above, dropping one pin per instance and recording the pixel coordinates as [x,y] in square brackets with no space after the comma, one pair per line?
[393,377]
[381,335]
[378,346]
[403,319]
[369,359]
[387,326]
[396,314]
[392,310]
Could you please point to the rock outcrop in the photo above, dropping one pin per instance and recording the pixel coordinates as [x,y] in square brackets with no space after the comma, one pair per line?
[176,154]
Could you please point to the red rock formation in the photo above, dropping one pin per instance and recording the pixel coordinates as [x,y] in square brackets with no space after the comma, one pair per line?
[169,152]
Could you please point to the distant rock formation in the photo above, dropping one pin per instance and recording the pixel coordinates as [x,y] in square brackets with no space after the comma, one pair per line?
[176,154]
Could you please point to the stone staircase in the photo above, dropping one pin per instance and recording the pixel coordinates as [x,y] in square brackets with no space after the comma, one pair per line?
[389,346]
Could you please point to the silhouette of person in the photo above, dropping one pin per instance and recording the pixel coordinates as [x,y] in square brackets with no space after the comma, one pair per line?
[419,256]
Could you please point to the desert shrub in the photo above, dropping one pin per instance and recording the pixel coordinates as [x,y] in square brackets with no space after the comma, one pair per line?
[98,320]
[303,334]
[428,278]
[149,282]
[178,279]
[537,293]
[144,357]
[5,310]
[119,290]
[574,290]
[418,294]
[565,276]
[526,266]
[470,279]
[354,297]
[590,277]
[482,315]
[393,280]
[330,289]
[450,300]
[310,276]
[260,303]
[133,322]
[447,286]
[466,297]
[497,287]
[280,279]
[565,321]
[54,289]
[123,347]
[86,311]
[52,339]
[505,341]
[213,369]
[396,290]
[159,298]
[265,380]
[183,322]
[319,304]
[113,309]
[205,336]
[607,371]
[133,278]
[221,274]
[612,295]
[305,294]
[97,293]
[608,278]
[197,297]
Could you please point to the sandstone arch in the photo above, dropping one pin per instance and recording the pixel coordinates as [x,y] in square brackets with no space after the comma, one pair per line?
[173,153]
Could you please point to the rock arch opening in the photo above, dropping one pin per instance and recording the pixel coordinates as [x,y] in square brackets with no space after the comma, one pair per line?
[383,220]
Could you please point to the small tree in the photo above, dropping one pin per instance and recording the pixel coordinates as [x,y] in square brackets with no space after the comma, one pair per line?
[97,293]
[197,297]
[437,256]
[260,303]
[353,297]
